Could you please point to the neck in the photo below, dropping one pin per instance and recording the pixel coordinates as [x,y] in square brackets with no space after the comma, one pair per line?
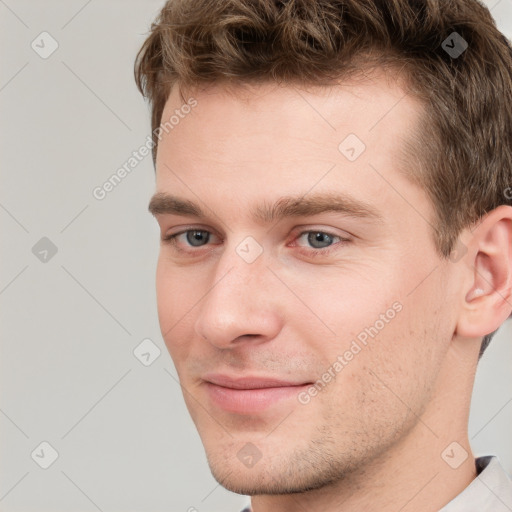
[421,473]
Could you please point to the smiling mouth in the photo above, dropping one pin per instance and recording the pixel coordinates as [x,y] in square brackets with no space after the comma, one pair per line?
[249,395]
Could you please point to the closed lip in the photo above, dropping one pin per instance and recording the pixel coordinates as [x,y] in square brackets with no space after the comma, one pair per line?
[250,382]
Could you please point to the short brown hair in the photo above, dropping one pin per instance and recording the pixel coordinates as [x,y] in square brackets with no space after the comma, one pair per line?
[462,151]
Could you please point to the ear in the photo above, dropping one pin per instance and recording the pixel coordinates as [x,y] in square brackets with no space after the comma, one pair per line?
[487,299]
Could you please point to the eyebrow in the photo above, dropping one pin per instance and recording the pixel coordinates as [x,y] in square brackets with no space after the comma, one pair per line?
[267,213]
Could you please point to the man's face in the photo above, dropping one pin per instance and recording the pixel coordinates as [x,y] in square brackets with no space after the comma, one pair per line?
[306,309]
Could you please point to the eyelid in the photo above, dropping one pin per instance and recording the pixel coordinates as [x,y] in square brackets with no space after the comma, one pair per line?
[323,251]
[331,235]
[301,230]
[184,229]
[297,233]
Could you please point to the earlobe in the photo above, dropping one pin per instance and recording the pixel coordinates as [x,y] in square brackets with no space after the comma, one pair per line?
[488,299]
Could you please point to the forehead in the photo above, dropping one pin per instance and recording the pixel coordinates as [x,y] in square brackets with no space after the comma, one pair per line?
[263,140]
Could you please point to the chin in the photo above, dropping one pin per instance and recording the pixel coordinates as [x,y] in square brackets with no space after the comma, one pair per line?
[276,475]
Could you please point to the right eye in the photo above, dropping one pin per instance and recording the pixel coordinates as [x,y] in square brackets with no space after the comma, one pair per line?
[189,238]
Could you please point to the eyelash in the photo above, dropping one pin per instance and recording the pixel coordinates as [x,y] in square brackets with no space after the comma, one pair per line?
[171,240]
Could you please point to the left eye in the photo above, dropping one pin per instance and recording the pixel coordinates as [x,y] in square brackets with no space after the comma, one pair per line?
[319,239]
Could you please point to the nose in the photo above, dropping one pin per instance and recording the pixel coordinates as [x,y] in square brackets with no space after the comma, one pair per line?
[241,305]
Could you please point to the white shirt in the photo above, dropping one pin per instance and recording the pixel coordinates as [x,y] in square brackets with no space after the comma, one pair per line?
[490,491]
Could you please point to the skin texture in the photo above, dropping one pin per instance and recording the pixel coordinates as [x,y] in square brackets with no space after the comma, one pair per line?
[373,437]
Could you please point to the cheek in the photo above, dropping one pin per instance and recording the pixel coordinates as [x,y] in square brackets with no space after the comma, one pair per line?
[380,323]
[348,301]
[176,296]
[382,380]
[166,294]
[398,367]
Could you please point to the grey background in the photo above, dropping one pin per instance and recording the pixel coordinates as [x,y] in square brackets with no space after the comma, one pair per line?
[70,325]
